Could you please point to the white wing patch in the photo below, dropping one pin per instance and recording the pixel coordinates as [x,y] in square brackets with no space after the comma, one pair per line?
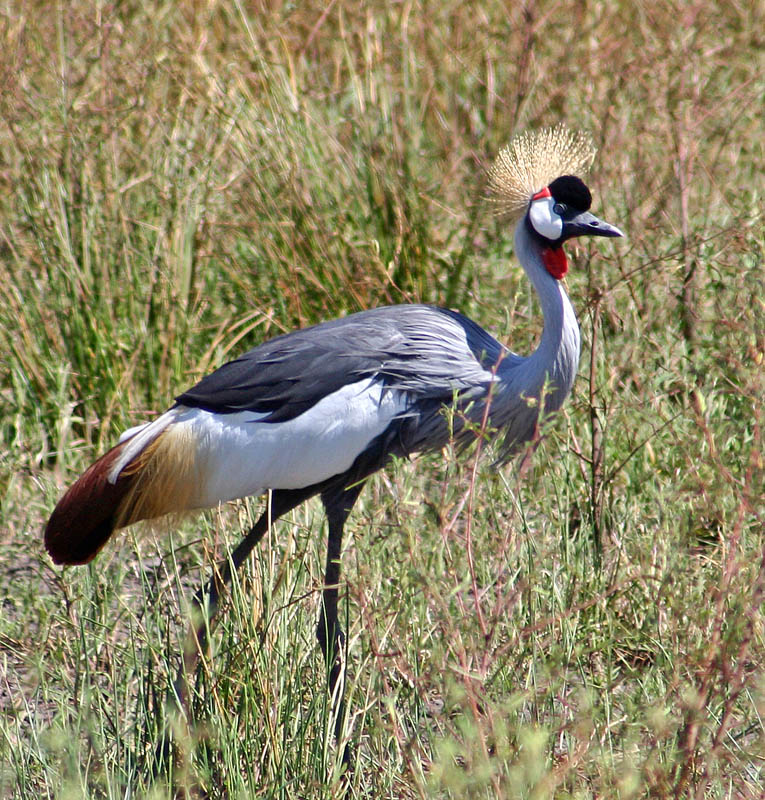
[238,454]
[142,436]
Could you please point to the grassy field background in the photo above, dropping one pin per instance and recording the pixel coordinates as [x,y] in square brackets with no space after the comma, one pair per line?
[179,181]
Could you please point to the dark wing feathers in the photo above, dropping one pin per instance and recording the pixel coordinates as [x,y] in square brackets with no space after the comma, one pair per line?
[425,351]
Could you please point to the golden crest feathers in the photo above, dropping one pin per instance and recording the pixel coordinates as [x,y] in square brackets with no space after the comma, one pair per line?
[533,160]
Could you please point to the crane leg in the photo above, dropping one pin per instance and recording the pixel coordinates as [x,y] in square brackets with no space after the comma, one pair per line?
[338,505]
[281,501]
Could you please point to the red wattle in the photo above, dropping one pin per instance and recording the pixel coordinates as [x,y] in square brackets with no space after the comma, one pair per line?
[555,261]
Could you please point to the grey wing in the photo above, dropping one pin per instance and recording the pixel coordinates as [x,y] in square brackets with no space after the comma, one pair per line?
[429,354]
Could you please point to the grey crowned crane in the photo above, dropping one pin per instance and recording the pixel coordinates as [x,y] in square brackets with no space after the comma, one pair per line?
[317,411]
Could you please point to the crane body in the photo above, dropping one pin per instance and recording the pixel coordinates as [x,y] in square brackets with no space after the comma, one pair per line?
[306,406]
[316,411]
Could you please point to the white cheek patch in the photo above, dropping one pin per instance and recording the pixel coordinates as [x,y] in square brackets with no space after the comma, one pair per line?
[544,220]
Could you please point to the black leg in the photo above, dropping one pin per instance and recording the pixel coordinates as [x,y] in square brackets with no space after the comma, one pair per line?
[281,502]
[338,505]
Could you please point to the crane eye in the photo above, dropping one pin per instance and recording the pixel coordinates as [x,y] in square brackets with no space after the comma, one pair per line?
[559,209]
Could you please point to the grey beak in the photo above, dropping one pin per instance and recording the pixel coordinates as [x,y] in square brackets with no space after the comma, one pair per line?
[586,224]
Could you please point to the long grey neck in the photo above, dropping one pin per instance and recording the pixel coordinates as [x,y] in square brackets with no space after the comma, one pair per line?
[555,361]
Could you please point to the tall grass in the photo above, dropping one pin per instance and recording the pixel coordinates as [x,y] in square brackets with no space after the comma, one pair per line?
[181,181]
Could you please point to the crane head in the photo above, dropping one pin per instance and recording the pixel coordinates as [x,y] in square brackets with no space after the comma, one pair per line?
[559,212]
[536,178]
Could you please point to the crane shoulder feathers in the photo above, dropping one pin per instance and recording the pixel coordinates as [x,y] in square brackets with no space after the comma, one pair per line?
[424,351]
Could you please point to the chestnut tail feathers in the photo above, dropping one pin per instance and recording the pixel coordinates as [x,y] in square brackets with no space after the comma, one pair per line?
[162,478]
